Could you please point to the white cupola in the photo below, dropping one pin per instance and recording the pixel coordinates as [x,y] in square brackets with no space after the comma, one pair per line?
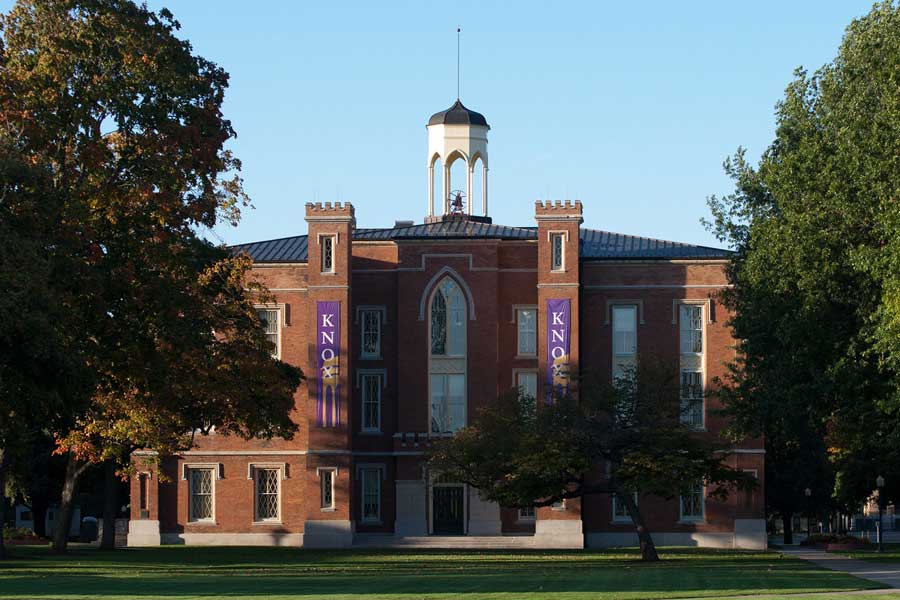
[457,134]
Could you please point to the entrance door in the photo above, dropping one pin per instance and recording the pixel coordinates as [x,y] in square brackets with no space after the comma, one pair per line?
[448,509]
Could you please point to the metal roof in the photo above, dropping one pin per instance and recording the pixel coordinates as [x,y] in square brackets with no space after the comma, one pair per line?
[458,115]
[595,244]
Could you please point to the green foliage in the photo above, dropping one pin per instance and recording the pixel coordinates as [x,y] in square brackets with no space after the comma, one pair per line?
[815,228]
[112,129]
[617,437]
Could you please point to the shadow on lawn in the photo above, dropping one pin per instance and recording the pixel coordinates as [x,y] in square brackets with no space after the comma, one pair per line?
[272,571]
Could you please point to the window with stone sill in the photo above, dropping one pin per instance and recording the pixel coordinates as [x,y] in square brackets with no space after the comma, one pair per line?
[327,242]
[557,252]
[371,333]
[370,481]
[527,330]
[268,482]
[200,492]
[692,402]
[326,477]
[692,503]
[271,323]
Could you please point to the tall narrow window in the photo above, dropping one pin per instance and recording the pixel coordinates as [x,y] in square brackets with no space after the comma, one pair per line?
[619,510]
[326,477]
[447,364]
[526,381]
[691,327]
[143,479]
[327,242]
[438,325]
[448,403]
[692,398]
[371,333]
[692,503]
[371,401]
[527,320]
[271,322]
[624,330]
[201,495]
[267,482]
[371,494]
[557,252]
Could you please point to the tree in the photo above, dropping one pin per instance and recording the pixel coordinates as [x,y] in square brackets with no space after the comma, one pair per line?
[125,122]
[42,373]
[617,438]
[817,237]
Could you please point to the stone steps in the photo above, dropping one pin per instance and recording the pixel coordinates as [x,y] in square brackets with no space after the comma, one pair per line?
[492,542]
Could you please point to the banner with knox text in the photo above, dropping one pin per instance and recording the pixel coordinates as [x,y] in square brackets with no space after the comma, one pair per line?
[328,354]
[558,321]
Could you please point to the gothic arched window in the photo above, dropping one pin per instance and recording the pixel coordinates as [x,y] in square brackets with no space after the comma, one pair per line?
[448,320]
[447,363]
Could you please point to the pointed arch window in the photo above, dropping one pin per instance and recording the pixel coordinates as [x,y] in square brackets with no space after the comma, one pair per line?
[448,320]
[447,361]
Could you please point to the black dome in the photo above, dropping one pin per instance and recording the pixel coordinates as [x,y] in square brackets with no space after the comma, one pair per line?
[458,115]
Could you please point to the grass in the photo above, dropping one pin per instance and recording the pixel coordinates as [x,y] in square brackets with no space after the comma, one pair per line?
[870,553]
[290,573]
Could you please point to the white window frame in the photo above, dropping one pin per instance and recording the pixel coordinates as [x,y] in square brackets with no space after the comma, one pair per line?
[526,518]
[446,400]
[361,312]
[682,330]
[361,376]
[621,308]
[214,471]
[517,373]
[563,236]
[693,518]
[701,426]
[364,471]
[256,469]
[616,518]
[333,473]
[280,312]
[332,238]
[521,335]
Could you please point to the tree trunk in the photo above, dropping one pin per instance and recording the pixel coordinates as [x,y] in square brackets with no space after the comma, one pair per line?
[39,513]
[648,548]
[788,520]
[2,501]
[70,485]
[110,506]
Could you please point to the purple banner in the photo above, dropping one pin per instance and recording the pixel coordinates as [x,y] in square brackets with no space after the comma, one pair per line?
[328,356]
[557,347]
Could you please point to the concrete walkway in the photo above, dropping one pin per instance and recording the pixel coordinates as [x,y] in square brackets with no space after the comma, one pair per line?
[884,573]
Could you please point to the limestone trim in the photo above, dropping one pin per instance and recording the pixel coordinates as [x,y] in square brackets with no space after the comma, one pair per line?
[704,302]
[281,466]
[447,271]
[624,302]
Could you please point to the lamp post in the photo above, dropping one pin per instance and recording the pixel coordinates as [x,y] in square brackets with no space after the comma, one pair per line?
[808,493]
[879,482]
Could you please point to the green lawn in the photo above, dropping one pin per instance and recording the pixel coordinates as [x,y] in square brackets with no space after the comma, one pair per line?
[870,553]
[282,573]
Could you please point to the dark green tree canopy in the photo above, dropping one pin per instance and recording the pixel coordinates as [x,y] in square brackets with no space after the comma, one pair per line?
[817,234]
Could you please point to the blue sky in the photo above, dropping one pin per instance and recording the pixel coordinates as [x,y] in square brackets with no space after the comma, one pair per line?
[629,106]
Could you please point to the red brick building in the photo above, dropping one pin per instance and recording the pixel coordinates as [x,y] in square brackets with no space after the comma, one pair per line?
[404,332]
